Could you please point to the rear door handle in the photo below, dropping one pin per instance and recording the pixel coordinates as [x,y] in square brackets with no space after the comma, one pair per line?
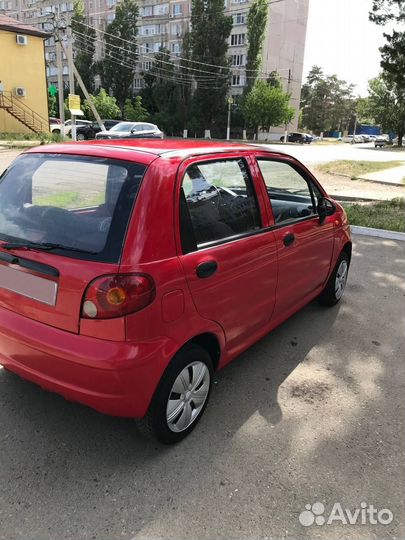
[288,239]
[206,269]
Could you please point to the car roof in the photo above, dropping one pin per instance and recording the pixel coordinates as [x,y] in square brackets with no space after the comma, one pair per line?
[147,150]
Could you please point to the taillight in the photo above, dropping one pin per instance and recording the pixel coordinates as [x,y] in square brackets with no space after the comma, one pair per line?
[117,295]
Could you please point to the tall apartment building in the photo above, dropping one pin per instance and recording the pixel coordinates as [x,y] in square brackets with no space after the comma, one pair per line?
[163,23]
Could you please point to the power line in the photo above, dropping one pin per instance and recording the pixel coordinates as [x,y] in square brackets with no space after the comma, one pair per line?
[179,57]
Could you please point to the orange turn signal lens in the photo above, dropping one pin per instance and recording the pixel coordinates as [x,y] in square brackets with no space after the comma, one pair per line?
[116,296]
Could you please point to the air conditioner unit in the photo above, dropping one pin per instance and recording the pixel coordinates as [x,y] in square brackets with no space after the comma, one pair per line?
[20,91]
[171,16]
[21,40]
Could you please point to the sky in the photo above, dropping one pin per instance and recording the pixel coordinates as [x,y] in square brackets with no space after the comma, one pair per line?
[342,40]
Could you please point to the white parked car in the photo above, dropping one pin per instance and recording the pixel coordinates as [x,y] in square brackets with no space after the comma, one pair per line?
[55,128]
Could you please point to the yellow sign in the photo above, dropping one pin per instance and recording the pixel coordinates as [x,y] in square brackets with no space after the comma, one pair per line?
[74,101]
[74,105]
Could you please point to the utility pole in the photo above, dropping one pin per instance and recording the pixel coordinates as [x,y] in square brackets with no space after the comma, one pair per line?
[288,91]
[85,92]
[59,66]
[355,127]
[228,125]
[71,76]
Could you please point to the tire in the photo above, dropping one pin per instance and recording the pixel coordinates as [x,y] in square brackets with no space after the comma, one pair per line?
[336,284]
[56,131]
[80,137]
[191,362]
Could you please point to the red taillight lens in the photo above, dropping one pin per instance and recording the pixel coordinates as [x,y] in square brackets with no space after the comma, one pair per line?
[117,295]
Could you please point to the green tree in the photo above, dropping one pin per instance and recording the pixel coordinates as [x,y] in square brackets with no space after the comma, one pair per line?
[135,111]
[52,105]
[160,91]
[385,107]
[327,102]
[384,11]
[210,30]
[392,56]
[266,106]
[83,45]
[106,106]
[256,28]
[117,68]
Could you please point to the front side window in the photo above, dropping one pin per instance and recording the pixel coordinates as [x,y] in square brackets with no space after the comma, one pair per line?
[220,201]
[75,202]
[291,196]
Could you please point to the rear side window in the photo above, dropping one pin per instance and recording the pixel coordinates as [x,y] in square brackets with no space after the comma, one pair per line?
[220,201]
[77,202]
[291,196]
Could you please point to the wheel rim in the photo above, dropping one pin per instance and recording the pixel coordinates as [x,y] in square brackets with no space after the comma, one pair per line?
[80,137]
[341,278]
[187,396]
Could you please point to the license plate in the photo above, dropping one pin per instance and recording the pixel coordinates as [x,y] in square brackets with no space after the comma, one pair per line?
[35,287]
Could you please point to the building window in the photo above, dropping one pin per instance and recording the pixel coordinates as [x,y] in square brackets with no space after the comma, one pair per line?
[238,1]
[111,3]
[175,29]
[148,30]
[147,65]
[138,83]
[110,17]
[147,11]
[161,9]
[175,48]
[147,47]
[237,60]
[239,18]
[238,80]
[176,9]
[237,39]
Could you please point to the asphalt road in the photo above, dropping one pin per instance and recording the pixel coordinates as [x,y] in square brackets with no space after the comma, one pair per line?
[321,153]
[312,413]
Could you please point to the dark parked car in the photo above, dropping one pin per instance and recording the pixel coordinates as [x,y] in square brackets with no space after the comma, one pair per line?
[132,130]
[302,138]
[89,131]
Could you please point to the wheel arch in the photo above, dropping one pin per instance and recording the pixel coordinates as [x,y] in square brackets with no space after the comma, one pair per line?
[209,342]
[347,248]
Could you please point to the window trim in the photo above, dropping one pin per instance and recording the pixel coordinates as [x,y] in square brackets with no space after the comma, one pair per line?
[306,177]
[188,243]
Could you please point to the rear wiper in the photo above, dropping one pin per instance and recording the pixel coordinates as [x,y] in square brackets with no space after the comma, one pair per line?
[45,246]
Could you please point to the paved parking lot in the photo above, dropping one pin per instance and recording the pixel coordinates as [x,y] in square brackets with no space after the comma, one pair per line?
[321,153]
[312,413]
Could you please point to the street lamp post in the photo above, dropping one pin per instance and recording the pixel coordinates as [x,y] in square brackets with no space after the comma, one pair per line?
[228,126]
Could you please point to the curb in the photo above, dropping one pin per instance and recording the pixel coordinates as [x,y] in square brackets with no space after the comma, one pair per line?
[381,182]
[380,233]
[349,198]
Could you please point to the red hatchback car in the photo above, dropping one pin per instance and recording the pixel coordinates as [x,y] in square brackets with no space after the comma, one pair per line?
[131,270]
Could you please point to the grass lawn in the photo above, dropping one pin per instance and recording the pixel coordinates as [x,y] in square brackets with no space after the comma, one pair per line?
[388,215]
[354,169]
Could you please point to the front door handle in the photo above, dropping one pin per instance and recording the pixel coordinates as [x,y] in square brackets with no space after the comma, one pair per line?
[288,239]
[206,269]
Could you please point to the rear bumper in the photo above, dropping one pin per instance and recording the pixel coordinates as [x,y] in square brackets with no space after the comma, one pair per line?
[116,378]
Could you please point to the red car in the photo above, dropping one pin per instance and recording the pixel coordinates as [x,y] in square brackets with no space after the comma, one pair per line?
[130,271]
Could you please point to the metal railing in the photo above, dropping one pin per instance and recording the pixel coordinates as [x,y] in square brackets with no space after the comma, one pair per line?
[23,113]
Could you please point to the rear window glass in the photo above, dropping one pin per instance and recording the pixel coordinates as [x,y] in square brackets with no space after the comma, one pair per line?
[78,202]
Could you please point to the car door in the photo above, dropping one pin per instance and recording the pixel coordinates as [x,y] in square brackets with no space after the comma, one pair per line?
[227,250]
[304,243]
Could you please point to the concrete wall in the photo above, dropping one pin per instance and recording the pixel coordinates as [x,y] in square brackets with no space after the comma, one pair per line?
[23,65]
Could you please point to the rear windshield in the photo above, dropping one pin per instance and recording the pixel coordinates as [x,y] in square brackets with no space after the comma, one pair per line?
[79,202]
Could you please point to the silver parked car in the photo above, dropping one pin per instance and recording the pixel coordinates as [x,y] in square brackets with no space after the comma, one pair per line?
[131,130]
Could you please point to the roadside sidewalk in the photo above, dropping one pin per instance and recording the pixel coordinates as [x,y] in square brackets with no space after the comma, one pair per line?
[395,176]
[344,188]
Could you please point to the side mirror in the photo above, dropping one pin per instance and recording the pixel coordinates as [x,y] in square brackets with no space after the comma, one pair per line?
[325,208]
